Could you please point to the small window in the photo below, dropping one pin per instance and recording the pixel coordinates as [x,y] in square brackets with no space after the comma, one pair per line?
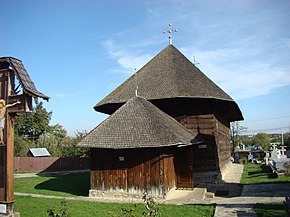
[121,158]
[202,146]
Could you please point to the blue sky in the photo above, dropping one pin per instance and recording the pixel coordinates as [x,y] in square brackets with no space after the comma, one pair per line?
[77,52]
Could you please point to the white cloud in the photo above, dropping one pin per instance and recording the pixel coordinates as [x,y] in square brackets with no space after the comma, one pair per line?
[128,60]
[238,75]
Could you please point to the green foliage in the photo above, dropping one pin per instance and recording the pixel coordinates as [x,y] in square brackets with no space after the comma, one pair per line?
[130,212]
[69,149]
[22,145]
[63,212]
[33,124]
[263,140]
[151,209]
[277,140]
[33,130]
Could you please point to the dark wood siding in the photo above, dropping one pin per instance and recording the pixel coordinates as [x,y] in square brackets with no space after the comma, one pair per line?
[138,170]
[183,167]
[214,151]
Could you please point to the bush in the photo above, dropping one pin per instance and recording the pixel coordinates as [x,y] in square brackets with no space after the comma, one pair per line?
[63,212]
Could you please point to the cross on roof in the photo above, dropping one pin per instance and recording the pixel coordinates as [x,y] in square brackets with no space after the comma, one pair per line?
[170,31]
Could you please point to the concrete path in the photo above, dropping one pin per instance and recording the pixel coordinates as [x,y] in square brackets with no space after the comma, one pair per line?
[237,201]
[242,206]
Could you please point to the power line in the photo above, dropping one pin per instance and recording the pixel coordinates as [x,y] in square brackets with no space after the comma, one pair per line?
[267,129]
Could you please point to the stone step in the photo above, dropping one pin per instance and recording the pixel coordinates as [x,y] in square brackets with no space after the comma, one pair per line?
[198,193]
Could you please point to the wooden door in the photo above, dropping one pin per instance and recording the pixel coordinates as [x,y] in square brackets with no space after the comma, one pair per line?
[183,167]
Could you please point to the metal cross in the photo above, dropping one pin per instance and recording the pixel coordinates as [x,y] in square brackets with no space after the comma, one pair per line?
[194,61]
[170,31]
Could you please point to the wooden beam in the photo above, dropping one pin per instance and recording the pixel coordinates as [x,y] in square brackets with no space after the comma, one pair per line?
[24,106]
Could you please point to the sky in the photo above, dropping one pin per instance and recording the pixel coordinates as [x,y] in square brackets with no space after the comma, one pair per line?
[77,52]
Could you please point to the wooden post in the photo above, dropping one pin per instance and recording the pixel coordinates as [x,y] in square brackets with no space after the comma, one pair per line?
[7,149]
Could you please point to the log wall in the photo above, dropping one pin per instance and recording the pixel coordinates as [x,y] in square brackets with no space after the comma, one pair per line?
[217,153]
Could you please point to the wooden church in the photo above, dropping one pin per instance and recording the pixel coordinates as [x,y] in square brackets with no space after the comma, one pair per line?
[174,134]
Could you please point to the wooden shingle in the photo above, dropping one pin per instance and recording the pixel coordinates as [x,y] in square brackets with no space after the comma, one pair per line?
[169,76]
[23,77]
[137,124]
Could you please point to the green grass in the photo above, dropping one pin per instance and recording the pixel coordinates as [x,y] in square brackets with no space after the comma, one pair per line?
[28,206]
[74,184]
[77,184]
[259,174]
[270,210]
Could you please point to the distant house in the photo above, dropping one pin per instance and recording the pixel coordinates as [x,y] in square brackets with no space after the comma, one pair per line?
[172,158]
[38,152]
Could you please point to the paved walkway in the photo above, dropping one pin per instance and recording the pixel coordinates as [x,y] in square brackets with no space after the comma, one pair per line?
[231,199]
[242,206]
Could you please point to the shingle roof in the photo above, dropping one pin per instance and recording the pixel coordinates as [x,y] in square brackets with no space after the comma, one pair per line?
[137,124]
[168,75]
[23,77]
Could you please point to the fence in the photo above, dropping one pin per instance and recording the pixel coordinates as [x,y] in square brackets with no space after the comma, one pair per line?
[40,164]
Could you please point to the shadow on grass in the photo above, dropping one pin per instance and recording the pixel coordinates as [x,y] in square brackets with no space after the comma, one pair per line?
[261,174]
[269,210]
[263,170]
[77,184]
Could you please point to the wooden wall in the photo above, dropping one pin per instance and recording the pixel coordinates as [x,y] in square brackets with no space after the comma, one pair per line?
[215,151]
[132,171]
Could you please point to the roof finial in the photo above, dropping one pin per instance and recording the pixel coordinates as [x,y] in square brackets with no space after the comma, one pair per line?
[194,61]
[136,89]
[170,31]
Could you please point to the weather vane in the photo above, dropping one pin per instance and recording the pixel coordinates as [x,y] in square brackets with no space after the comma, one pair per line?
[170,31]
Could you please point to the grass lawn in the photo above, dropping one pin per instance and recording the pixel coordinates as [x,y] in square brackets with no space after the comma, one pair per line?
[28,206]
[74,184]
[270,210]
[261,174]
[258,174]
[77,184]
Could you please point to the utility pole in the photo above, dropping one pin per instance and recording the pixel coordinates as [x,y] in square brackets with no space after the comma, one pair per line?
[282,138]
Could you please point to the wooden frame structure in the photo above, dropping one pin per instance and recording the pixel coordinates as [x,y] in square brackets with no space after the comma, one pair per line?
[10,70]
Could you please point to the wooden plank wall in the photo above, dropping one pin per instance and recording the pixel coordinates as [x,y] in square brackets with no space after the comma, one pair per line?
[142,169]
[210,125]
[198,124]
[222,137]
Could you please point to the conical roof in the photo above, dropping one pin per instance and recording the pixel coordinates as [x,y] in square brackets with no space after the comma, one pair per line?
[169,75]
[137,124]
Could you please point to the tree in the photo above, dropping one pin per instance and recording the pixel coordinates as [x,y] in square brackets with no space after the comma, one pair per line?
[33,130]
[33,124]
[69,148]
[277,140]
[263,140]
[236,130]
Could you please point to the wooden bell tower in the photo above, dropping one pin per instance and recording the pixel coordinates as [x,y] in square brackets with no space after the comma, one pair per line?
[12,101]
